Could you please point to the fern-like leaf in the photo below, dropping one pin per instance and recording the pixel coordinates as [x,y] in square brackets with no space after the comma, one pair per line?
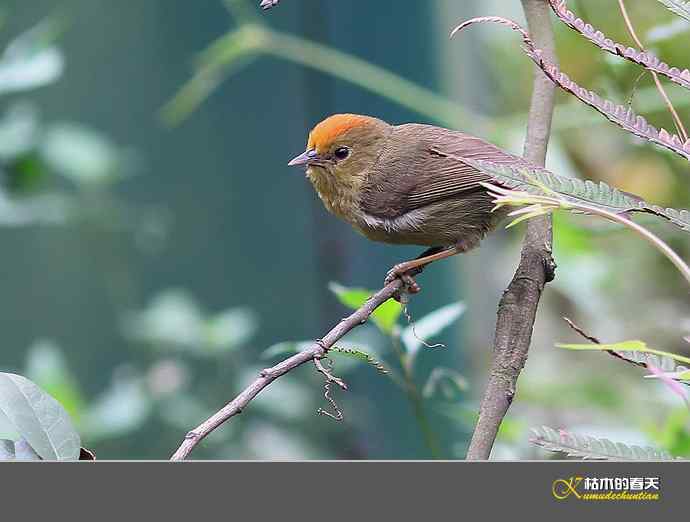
[645,59]
[680,7]
[361,356]
[539,181]
[622,116]
[592,448]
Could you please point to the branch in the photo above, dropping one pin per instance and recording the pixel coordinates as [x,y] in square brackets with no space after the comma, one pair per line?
[647,359]
[315,352]
[518,307]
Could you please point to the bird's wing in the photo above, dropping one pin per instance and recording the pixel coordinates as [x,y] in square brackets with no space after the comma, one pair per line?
[421,165]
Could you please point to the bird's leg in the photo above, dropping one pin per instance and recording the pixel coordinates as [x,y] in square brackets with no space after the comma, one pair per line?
[428,256]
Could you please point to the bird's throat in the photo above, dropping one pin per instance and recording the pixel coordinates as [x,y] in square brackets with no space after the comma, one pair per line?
[338,196]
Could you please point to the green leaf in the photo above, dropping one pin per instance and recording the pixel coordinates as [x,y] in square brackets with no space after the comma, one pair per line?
[511,431]
[588,447]
[662,32]
[361,356]
[540,181]
[122,408]
[19,131]
[30,61]
[625,346]
[385,316]
[38,418]
[674,433]
[569,239]
[679,7]
[82,155]
[175,321]
[47,367]
[25,174]
[285,348]
[229,329]
[430,325]
[683,376]
[447,382]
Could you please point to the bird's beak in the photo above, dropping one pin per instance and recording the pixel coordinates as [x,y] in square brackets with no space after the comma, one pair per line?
[305,158]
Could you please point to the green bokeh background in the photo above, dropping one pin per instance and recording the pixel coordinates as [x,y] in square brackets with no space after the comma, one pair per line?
[209,210]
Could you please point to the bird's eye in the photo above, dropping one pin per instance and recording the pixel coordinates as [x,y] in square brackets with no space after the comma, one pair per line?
[341,153]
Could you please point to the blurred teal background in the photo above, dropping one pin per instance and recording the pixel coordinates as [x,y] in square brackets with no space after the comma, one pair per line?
[155,244]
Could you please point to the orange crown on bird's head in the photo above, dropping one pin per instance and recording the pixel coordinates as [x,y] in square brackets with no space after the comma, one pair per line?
[323,134]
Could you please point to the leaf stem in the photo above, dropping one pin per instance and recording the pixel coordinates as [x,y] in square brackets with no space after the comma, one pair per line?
[631,29]
[412,391]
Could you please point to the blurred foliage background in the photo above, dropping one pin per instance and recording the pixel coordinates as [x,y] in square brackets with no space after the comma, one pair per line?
[158,251]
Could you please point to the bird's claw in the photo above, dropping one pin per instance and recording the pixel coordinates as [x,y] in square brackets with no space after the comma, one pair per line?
[410,286]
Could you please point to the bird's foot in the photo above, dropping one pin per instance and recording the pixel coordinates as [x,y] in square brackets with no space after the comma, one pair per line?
[410,286]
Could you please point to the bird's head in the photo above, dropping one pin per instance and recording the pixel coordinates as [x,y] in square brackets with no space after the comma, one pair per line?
[341,150]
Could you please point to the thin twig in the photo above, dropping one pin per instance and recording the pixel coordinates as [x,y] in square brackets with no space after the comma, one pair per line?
[579,330]
[631,29]
[328,375]
[518,307]
[338,415]
[618,355]
[596,340]
[267,376]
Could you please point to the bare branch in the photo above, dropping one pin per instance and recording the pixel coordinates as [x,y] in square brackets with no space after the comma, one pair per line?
[579,330]
[338,415]
[518,307]
[314,352]
[328,375]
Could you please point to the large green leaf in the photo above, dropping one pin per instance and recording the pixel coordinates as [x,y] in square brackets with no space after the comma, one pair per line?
[38,418]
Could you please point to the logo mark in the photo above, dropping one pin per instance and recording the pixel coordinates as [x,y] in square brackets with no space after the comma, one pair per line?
[562,488]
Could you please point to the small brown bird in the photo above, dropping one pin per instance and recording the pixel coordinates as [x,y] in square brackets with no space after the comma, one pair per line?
[404,184]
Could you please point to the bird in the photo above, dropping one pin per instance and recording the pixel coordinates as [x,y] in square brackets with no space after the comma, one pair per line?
[405,184]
